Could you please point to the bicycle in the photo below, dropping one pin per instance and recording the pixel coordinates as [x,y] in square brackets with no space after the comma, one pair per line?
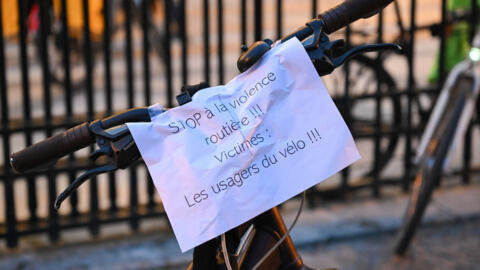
[262,242]
[448,123]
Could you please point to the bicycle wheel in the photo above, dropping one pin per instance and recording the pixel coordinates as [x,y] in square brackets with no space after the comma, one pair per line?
[56,47]
[431,167]
[364,74]
[157,37]
[78,74]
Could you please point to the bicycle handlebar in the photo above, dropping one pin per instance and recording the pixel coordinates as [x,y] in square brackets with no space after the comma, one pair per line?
[69,141]
[342,15]
[350,11]
[52,148]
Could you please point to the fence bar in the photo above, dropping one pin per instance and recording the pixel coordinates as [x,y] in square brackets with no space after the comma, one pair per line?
[107,48]
[27,116]
[68,99]
[279,19]
[94,225]
[206,41]
[378,115]
[243,22]
[221,74]
[22,16]
[127,5]
[107,54]
[183,37]
[146,78]
[134,220]
[150,191]
[168,59]
[258,15]
[87,50]
[128,52]
[467,155]
[66,62]
[146,51]
[443,44]
[347,114]
[11,232]
[54,229]
[410,94]
[473,18]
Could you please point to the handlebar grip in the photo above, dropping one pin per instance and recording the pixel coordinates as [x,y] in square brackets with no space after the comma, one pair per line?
[52,148]
[350,11]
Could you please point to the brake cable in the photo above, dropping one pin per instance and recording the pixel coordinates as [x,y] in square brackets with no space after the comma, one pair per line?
[280,241]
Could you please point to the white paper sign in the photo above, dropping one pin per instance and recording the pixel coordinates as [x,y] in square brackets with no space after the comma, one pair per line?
[238,150]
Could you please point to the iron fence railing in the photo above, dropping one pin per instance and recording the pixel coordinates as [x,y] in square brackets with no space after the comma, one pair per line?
[68,73]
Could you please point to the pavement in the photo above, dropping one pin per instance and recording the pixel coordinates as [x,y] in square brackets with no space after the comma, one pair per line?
[443,246]
[357,234]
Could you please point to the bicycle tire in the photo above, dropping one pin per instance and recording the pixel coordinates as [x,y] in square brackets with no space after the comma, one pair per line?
[156,35]
[357,123]
[431,169]
[56,70]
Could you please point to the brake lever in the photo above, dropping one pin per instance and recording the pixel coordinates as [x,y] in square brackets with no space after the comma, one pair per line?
[325,61]
[320,49]
[363,49]
[80,180]
[116,144]
[324,55]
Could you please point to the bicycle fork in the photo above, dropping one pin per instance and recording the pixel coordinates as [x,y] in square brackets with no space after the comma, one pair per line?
[259,236]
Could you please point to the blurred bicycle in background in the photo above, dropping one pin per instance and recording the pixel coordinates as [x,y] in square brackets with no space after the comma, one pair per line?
[105,18]
[368,77]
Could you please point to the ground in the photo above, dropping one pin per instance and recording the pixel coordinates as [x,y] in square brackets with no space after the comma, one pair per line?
[358,234]
[446,246]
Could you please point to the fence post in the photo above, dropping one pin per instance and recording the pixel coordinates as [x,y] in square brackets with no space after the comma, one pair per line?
[280,18]
[221,69]
[243,22]
[344,187]
[53,230]
[206,42]
[31,183]
[378,116]
[258,19]
[12,238]
[443,44]
[94,225]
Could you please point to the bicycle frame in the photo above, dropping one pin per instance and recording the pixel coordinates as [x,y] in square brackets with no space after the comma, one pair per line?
[259,236]
[468,68]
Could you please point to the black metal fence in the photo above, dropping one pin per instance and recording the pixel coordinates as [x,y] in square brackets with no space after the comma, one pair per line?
[56,73]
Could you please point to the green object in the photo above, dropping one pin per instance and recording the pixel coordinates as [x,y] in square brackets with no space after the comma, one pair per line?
[459,4]
[457,45]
